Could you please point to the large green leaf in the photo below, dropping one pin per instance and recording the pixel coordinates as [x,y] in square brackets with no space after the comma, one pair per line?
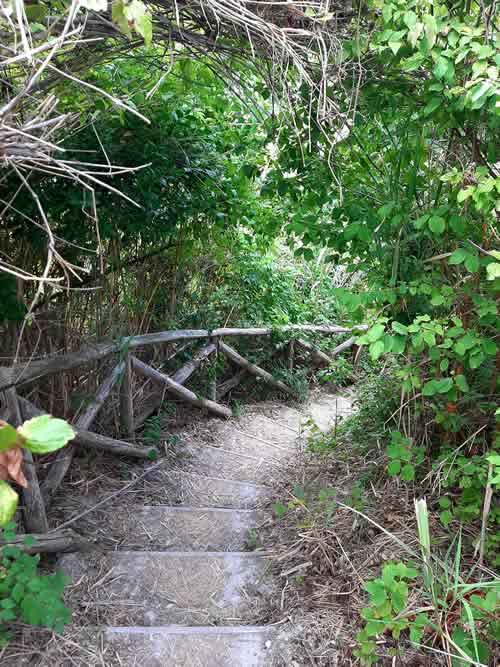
[45,434]
[8,437]
[8,503]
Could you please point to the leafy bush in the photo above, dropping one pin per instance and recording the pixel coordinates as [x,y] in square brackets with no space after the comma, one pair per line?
[26,595]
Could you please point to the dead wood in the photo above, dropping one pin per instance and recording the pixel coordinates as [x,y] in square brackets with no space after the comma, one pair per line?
[178,390]
[60,541]
[236,358]
[127,401]
[317,355]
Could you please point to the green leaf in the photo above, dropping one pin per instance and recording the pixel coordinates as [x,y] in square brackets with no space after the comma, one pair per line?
[414,33]
[399,596]
[444,503]
[437,224]
[472,263]
[437,300]
[461,383]
[45,434]
[376,332]
[444,69]
[119,17]
[446,517]
[279,509]
[458,256]
[465,194]
[377,592]
[394,468]
[444,364]
[432,105]
[377,349]
[408,472]
[144,26]
[8,502]
[410,19]
[429,388]
[493,271]
[444,385]
[8,437]
[430,30]
[395,46]
[399,328]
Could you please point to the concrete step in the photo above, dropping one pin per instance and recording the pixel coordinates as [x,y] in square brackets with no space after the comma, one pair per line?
[231,461]
[161,588]
[202,490]
[163,528]
[326,409]
[240,646]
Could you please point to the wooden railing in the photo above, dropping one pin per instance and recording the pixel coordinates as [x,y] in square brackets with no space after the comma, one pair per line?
[38,497]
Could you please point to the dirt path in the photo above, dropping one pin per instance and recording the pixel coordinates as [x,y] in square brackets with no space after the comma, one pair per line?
[183,580]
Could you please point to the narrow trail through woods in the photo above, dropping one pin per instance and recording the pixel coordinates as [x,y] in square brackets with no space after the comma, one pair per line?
[184,580]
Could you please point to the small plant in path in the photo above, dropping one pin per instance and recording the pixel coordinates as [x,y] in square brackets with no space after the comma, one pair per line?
[446,611]
[388,599]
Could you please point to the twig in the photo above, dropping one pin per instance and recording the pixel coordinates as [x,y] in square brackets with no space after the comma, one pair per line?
[110,497]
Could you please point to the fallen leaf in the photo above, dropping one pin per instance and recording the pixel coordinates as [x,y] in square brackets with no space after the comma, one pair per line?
[11,463]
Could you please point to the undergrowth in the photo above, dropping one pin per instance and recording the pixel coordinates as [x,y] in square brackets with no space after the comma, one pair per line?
[26,595]
[441,599]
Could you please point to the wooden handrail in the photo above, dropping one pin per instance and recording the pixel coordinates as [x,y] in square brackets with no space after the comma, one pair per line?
[21,374]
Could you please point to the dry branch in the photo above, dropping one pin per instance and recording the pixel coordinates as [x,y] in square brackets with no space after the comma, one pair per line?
[185,372]
[233,382]
[236,358]
[95,440]
[180,376]
[318,356]
[343,346]
[178,390]
[61,541]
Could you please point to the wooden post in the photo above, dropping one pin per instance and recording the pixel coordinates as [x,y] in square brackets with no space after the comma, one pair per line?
[64,457]
[127,401]
[212,385]
[291,354]
[34,516]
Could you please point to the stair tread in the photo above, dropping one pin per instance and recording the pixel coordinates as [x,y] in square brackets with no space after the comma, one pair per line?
[180,528]
[160,588]
[230,646]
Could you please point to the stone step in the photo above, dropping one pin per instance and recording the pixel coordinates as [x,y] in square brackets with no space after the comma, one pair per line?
[196,490]
[240,646]
[328,409]
[229,461]
[163,528]
[151,588]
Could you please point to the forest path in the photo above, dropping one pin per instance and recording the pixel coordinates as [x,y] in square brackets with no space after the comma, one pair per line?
[186,582]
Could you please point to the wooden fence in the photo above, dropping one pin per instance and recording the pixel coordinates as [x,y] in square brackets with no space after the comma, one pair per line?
[38,497]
